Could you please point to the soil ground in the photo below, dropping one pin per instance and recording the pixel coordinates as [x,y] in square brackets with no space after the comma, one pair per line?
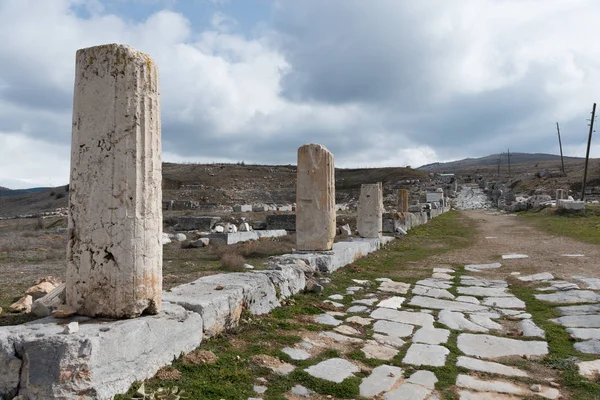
[511,234]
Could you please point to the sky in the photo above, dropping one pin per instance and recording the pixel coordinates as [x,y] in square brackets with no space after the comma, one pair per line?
[379,83]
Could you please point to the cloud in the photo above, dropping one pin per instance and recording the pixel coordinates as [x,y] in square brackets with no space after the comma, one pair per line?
[379,83]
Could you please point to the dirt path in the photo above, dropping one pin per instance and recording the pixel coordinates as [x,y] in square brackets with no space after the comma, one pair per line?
[499,234]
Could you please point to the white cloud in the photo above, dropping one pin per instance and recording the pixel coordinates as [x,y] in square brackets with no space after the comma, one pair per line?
[379,83]
[28,162]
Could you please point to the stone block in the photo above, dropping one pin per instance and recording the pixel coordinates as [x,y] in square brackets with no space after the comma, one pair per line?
[44,306]
[195,223]
[403,201]
[103,358]
[315,199]
[370,209]
[114,255]
[282,221]
[237,237]
[220,298]
[242,208]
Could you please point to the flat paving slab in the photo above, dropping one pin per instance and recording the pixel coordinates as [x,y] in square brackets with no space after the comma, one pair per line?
[571,296]
[333,370]
[392,328]
[488,346]
[405,317]
[382,379]
[474,364]
[426,354]
[431,335]
[440,304]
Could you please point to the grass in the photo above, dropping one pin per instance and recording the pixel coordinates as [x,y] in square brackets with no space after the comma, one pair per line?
[562,355]
[583,226]
[234,374]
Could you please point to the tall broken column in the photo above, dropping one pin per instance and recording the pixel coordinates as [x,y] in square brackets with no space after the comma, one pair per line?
[315,198]
[370,209]
[403,200]
[114,255]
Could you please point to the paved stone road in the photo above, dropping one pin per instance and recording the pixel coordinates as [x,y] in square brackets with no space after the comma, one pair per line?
[450,318]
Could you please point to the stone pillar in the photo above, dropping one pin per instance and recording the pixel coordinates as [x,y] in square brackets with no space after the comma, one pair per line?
[370,209]
[315,198]
[114,255]
[403,200]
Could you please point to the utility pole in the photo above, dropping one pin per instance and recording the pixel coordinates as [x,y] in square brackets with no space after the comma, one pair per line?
[561,153]
[499,161]
[587,154]
[509,163]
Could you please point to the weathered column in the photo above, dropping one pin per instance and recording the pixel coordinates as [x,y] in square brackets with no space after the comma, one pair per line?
[370,209]
[315,198]
[114,255]
[403,200]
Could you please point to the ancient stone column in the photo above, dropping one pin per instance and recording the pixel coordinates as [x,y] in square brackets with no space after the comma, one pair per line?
[403,200]
[114,255]
[315,198]
[370,209]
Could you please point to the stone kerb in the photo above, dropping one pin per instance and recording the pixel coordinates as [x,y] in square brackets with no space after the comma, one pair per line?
[114,354]
[114,255]
[315,199]
[370,210]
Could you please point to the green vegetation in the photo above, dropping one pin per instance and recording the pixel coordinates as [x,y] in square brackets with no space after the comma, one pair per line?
[235,372]
[579,225]
[562,355]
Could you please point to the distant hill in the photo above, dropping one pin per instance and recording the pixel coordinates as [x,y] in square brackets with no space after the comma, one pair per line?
[492,160]
[16,192]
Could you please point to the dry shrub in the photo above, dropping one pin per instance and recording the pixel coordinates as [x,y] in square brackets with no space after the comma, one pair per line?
[168,374]
[200,357]
[232,262]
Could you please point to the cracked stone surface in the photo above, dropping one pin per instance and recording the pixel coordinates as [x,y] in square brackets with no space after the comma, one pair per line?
[393,302]
[315,198]
[529,329]
[426,354]
[483,291]
[393,328]
[296,354]
[408,391]
[544,276]
[571,296]
[588,346]
[431,335]
[374,349]
[440,304]
[474,364]
[326,319]
[405,317]
[578,321]
[357,309]
[114,254]
[333,370]
[360,320]
[457,321]
[488,346]
[347,330]
[504,302]
[432,292]
[382,379]
[394,287]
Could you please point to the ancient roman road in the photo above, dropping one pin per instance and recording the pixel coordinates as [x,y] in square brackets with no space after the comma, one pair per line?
[469,320]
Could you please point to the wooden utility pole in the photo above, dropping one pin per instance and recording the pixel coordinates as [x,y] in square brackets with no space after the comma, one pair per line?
[587,154]
[499,161]
[561,153]
[509,163]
